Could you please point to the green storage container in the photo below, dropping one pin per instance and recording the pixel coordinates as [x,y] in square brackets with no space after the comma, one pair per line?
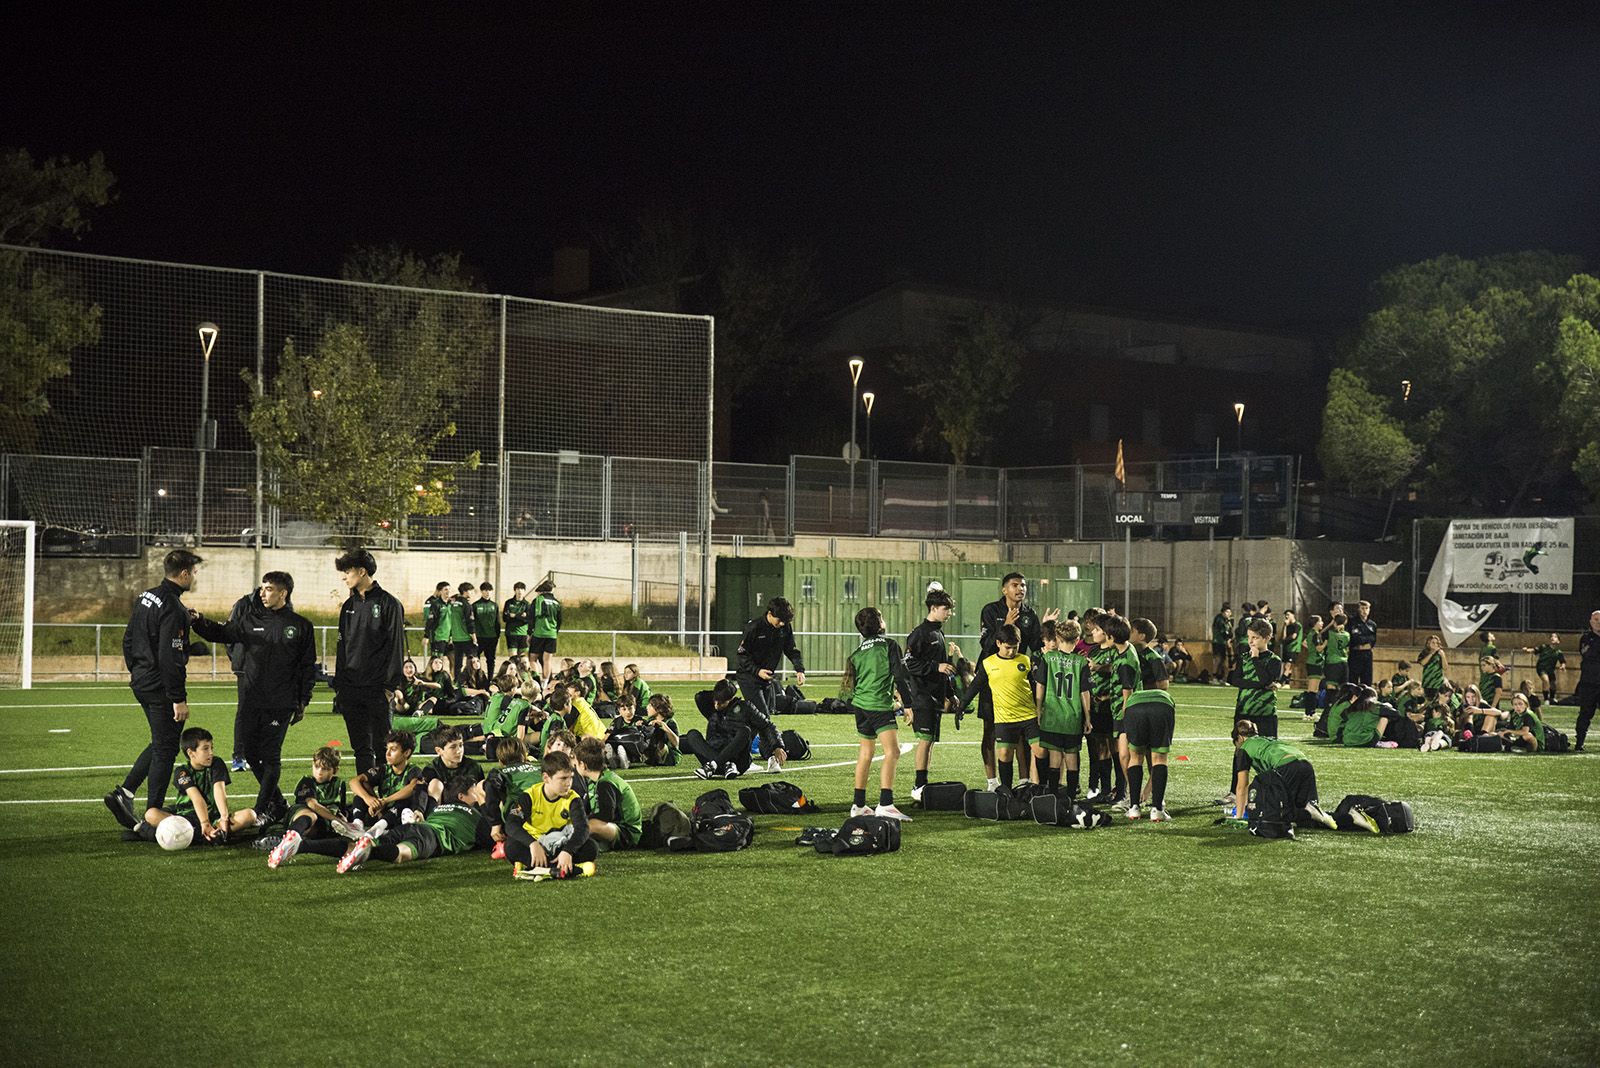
[827,592]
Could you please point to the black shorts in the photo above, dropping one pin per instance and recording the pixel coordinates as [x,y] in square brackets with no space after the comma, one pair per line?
[438,648]
[1336,674]
[422,838]
[1060,743]
[516,642]
[1219,652]
[1313,671]
[1266,726]
[1016,733]
[1100,719]
[1149,726]
[926,717]
[872,724]
[540,646]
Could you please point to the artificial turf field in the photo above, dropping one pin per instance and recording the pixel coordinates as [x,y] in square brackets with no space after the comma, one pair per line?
[1471,941]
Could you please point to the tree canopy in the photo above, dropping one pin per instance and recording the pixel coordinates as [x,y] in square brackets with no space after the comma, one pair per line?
[1501,357]
[966,380]
[42,319]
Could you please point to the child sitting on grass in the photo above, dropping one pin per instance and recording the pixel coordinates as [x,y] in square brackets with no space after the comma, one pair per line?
[319,806]
[615,819]
[548,825]
[581,717]
[388,790]
[450,763]
[661,739]
[456,825]
[202,785]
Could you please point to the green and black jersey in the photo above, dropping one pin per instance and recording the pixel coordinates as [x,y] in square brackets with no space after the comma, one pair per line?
[332,795]
[515,614]
[1336,650]
[1316,640]
[1061,676]
[1530,720]
[1220,631]
[509,783]
[1294,640]
[1152,669]
[1264,754]
[458,617]
[612,800]
[1361,727]
[385,781]
[1103,683]
[1489,686]
[1125,667]
[1433,673]
[874,670]
[438,769]
[641,694]
[486,619]
[435,620]
[546,614]
[1256,675]
[503,714]
[456,825]
[189,777]
[1546,657]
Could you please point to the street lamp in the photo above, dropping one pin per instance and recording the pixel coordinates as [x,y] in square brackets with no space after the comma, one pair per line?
[867,399]
[205,438]
[1405,390]
[1238,417]
[856,364]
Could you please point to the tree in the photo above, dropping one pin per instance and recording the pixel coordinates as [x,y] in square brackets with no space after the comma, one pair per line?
[966,381]
[1481,342]
[351,432]
[1362,447]
[42,320]
[340,455]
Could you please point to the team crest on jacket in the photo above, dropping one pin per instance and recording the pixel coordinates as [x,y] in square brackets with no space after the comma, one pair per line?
[374,611]
[289,632]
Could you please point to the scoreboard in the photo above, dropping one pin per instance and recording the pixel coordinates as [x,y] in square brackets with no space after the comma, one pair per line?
[1167,508]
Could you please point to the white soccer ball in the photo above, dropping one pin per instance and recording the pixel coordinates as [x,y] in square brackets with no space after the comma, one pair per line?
[174,833]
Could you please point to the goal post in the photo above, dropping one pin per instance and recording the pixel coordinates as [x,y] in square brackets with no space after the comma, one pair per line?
[18,555]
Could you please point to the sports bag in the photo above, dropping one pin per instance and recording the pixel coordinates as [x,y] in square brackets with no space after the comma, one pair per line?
[832,705]
[861,836]
[1392,817]
[944,796]
[715,826]
[1053,810]
[1481,743]
[1270,816]
[1554,741]
[775,797]
[988,805]
[664,822]
[797,747]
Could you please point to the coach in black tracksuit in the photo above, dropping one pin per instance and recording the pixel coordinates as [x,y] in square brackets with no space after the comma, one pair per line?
[371,651]
[155,648]
[766,640]
[1012,607]
[276,657]
[1363,636]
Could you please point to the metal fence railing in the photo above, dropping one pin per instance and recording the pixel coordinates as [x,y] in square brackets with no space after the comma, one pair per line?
[94,651]
[164,497]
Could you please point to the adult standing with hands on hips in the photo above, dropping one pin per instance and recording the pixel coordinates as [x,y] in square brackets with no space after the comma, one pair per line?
[155,647]
[369,657]
[1588,694]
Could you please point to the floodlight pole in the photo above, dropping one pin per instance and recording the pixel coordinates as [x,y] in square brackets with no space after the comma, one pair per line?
[856,365]
[208,340]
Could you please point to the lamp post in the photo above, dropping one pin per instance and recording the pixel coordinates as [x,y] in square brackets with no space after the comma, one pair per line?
[1405,390]
[1238,419]
[204,438]
[856,364]
[866,400]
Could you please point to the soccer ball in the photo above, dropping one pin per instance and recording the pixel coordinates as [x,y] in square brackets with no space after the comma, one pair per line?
[174,833]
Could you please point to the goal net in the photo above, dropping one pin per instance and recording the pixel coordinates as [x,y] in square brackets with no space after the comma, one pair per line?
[17,558]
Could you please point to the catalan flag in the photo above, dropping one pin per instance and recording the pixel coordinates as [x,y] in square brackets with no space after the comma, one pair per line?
[1122,473]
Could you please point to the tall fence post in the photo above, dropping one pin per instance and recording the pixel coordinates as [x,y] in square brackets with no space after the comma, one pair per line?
[502,495]
[1000,529]
[1244,496]
[950,501]
[605,500]
[633,585]
[1416,574]
[683,584]
[261,385]
[1077,480]
[789,506]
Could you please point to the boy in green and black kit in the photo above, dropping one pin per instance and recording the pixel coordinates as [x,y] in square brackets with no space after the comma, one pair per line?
[515,614]
[871,675]
[1061,698]
[320,802]
[545,617]
[486,624]
[615,819]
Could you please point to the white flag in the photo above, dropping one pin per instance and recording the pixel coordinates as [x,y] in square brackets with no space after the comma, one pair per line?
[1378,574]
[1457,622]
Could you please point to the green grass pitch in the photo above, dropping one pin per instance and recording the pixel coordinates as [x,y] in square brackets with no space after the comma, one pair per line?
[1471,941]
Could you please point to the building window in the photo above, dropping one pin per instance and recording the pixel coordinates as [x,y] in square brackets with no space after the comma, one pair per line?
[808,588]
[852,589]
[1099,422]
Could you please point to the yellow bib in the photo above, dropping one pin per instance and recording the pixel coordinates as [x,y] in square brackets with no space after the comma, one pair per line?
[547,815]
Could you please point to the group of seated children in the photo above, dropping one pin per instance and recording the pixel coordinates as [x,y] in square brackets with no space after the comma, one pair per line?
[1411,716]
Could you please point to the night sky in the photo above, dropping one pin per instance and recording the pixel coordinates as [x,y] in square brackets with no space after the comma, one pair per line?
[1249,162]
